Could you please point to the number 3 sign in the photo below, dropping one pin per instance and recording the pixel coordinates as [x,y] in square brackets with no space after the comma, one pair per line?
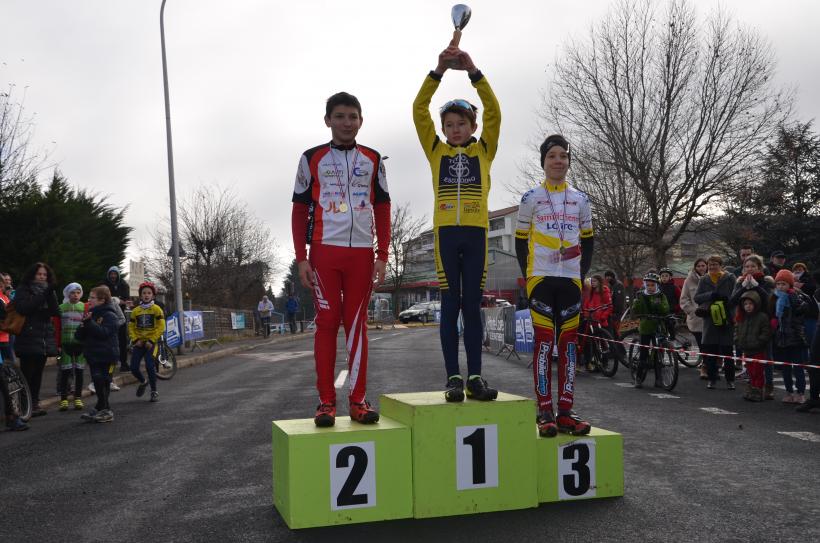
[576,470]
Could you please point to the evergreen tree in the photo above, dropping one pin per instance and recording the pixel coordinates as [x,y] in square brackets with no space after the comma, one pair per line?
[78,234]
[780,210]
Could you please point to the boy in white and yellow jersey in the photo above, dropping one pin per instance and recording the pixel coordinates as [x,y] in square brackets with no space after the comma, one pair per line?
[554,249]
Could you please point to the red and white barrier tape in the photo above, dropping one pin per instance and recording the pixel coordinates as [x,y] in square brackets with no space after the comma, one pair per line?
[697,353]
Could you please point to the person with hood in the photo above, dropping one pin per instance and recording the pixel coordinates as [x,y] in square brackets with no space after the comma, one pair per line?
[712,297]
[672,292]
[98,334]
[752,277]
[36,300]
[786,309]
[687,304]
[118,288]
[72,361]
[752,335]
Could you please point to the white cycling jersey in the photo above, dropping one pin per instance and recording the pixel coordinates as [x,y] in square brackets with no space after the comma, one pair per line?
[551,220]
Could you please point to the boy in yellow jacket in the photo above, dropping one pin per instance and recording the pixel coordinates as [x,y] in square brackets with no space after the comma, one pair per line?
[461,184]
[146,326]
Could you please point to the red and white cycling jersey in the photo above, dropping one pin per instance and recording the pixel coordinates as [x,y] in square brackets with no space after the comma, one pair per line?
[340,185]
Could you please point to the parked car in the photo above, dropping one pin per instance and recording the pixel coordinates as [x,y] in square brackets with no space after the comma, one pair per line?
[422,312]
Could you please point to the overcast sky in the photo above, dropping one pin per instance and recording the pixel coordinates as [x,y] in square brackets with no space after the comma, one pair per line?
[248,81]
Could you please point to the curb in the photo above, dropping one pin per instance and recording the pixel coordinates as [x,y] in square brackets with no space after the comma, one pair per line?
[125,379]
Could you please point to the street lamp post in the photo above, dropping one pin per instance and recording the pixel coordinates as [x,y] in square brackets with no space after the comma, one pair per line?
[171,188]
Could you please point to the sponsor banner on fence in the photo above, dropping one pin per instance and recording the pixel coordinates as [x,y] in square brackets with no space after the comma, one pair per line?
[237,321]
[194,327]
[494,328]
[524,338]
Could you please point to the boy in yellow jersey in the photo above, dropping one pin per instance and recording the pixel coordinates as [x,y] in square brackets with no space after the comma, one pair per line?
[461,183]
[553,243]
[146,326]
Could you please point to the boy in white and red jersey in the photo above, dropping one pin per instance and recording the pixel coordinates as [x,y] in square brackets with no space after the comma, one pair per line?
[339,199]
[553,243]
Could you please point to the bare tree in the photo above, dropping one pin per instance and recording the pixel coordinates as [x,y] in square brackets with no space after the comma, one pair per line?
[404,228]
[20,165]
[229,253]
[665,114]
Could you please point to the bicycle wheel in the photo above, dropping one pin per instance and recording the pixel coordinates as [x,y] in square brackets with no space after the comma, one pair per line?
[668,361]
[626,349]
[683,355]
[637,370]
[166,362]
[605,352]
[19,392]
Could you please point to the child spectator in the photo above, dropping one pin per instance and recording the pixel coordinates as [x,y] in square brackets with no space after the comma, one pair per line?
[649,302]
[752,335]
[787,308]
[672,293]
[98,334]
[72,362]
[597,296]
[146,327]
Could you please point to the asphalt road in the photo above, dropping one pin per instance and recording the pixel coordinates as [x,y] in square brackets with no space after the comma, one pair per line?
[701,465]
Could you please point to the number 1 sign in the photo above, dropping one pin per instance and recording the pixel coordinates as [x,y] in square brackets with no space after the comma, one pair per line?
[476,456]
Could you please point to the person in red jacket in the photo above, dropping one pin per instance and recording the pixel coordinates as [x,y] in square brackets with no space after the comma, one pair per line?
[339,196]
[596,296]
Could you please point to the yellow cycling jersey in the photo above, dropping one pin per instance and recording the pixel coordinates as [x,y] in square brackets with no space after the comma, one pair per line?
[461,175]
[146,323]
[554,220]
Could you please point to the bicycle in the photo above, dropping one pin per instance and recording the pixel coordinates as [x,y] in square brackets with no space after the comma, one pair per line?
[599,351]
[665,358]
[19,392]
[166,360]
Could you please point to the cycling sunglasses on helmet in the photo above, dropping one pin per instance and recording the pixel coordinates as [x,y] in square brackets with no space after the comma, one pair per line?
[463,104]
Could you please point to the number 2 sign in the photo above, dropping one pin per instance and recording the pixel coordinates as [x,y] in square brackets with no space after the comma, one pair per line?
[352,475]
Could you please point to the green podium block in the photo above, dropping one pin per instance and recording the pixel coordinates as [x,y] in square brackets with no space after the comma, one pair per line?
[580,467]
[340,475]
[468,457]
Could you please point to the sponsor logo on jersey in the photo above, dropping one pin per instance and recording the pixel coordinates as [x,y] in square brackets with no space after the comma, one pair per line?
[362,205]
[360,172]
[472,206]
[302,180]
[460,166]
[360,193]
[335,172]
[543,359]
[446,207]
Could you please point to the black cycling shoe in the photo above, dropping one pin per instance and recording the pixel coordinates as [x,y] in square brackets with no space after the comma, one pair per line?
[546,424]
[455,389]
[477,389]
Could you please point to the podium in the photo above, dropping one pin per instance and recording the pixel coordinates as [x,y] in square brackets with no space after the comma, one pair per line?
[341,475]
[429,458]
[468,457]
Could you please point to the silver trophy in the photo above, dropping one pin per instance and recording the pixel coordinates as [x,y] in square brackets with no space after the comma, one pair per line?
[461,16]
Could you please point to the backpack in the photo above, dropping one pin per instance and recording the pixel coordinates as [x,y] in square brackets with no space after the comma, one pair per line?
[717,311]
[12,321]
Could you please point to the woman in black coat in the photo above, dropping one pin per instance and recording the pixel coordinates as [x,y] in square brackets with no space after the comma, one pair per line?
[36,300]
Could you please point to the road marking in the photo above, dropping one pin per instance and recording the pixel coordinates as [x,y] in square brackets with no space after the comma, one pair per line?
[340,380]
[805,436]
[276,357]
[663,396]
[625,385]
[717,411]
[601,378]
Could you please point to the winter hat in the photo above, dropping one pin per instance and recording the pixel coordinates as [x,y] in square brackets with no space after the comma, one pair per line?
[69,288]
[552,141]
[786,276]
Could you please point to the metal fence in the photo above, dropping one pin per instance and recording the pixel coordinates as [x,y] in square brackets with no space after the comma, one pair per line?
[219,323]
